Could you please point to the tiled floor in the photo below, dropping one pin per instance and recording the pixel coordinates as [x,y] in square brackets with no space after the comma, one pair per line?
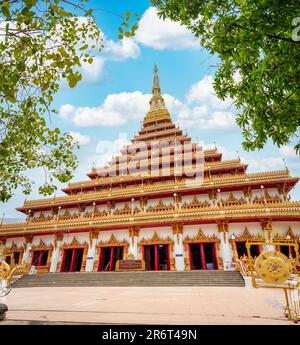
[146,305]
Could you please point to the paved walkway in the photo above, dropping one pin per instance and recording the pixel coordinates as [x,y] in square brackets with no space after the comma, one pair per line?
[146,305]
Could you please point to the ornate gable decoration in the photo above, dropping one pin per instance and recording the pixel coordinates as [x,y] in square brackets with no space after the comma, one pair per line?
[290,236]
[156,240]
[13,247]
[74,244]
[200,237]
[246,236]
[42,246]
[113,242]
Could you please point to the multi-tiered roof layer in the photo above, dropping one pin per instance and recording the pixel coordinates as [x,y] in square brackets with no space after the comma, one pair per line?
[115,184]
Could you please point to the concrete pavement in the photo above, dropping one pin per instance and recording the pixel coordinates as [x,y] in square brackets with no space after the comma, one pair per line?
[146,305]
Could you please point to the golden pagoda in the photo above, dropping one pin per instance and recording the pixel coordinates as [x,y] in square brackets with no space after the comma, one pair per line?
[165,201]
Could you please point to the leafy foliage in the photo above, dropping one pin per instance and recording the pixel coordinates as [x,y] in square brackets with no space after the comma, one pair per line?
[41,43]
[259,56]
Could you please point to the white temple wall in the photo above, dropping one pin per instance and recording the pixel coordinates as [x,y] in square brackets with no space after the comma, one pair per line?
[282,227]
[237,229]
[47,239]
[81,237]
[18,241]
[119,235]
[163,232]
[207,229]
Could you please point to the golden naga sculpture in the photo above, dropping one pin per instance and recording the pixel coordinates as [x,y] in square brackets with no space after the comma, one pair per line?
[8,272]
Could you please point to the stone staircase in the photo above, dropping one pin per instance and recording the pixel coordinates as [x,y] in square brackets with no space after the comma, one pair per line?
[88,279]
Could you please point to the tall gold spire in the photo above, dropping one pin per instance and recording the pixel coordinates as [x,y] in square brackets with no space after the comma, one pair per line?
[158,111]
[156,88]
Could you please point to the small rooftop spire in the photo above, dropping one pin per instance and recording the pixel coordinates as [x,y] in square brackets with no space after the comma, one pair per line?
[156,88]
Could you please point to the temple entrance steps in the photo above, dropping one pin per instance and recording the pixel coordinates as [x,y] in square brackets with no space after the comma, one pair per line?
[166,278]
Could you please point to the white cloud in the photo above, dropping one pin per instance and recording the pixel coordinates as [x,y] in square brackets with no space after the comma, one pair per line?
[203,91]
[92,72]
[203,112]
[288,151]
[111,51]
[81,138]
[264,163]
[163,34]
[122,50]
[116,110]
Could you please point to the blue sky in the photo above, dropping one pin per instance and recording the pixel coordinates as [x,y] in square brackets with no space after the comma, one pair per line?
[114,93]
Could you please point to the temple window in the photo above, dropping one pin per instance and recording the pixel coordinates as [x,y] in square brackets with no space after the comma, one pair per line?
[16,258]
[288,251]
[40,257]
[241,249]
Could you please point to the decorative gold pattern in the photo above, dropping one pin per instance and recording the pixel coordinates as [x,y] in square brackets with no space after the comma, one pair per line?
[244,237]
[273,267]
[75,245]
[201,238]
[41,246]
[158,240]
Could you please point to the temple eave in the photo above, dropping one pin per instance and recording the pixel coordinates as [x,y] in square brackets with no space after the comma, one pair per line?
[235,215]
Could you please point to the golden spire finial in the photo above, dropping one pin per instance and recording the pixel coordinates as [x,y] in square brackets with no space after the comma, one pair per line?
[156,88]
[157,111]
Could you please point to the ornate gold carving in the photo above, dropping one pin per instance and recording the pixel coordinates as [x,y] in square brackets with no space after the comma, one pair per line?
[13,249]
[267,198]
[143,202]
[58,237]
[95,213]
[112,242]
[232,201]
[92,236]
[244,237]
[201,238]
[266,225]
[273,267]
[160,207]
[288,237]
[223,227]
[41,218]
[248,192]
[7,272]
[75,245]
[41,246]
[177,229]
[195,204]
[212,194]
[68,215]
[133,231]
[126,210]
[158,240]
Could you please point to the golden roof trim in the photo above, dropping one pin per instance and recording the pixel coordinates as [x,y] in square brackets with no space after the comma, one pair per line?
[241,212]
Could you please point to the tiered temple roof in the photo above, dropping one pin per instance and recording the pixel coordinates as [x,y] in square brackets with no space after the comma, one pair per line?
[160,138]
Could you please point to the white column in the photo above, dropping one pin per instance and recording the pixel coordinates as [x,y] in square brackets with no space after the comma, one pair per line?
[133,242]
[179,252]
[55,257]
[133,248]
[225,249]
[90,259]
[27,252]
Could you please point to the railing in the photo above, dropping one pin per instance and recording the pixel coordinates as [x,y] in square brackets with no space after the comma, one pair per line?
[292,297]
[243,265]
